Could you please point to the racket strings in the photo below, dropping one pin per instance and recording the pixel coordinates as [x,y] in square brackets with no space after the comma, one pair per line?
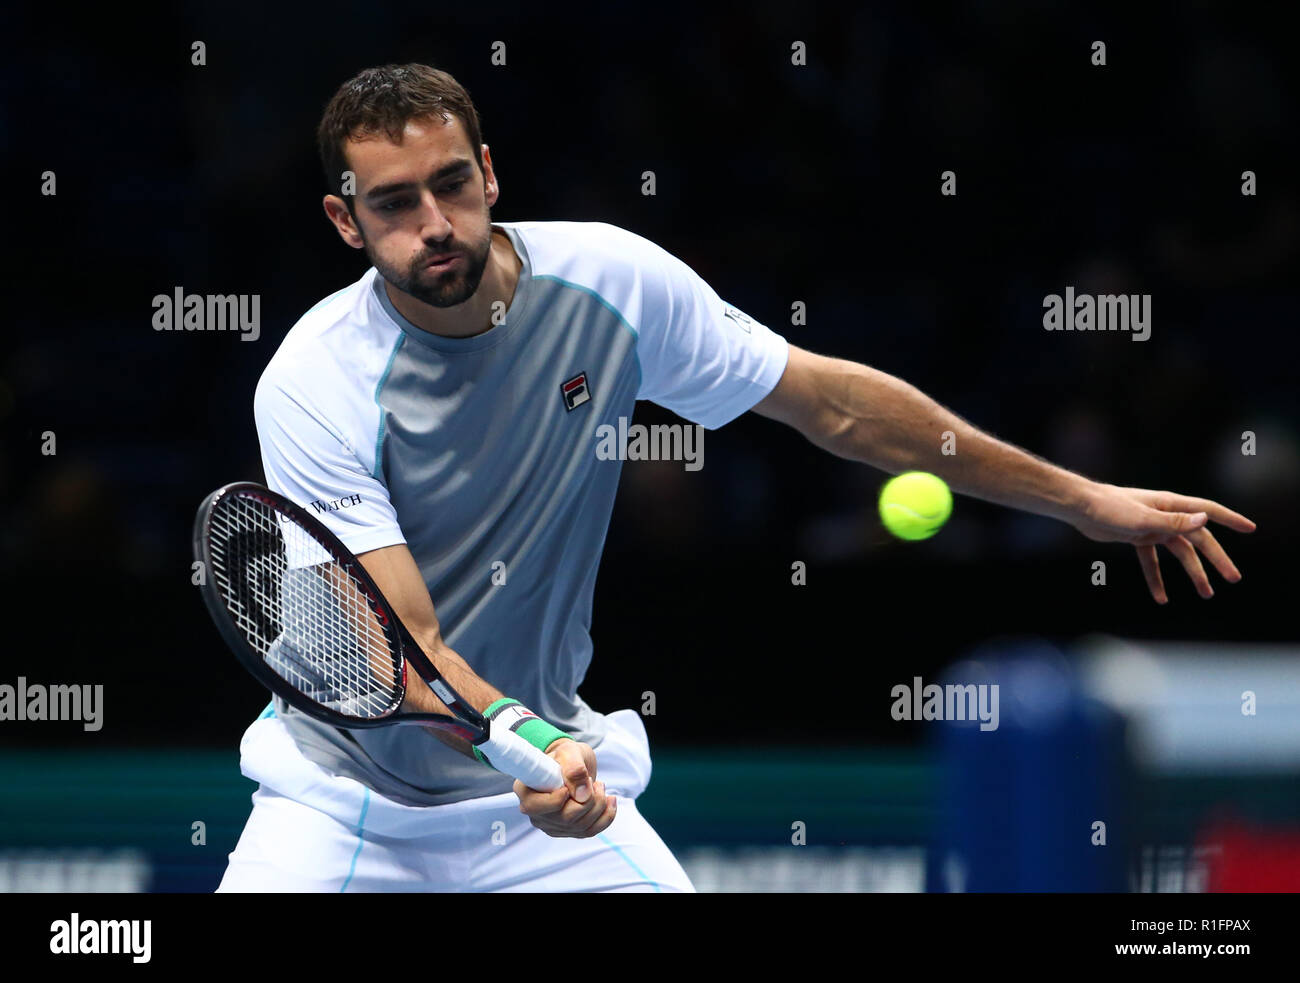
[300,611]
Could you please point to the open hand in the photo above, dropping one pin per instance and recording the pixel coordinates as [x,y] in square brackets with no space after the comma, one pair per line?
[1148,519]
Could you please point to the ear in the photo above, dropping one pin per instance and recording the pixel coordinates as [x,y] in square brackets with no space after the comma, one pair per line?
[491,190]
[336,210]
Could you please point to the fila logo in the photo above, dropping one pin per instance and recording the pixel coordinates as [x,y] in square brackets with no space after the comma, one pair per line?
[575,391]
[743,320]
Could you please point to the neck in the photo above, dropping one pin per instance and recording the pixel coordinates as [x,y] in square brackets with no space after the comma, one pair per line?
[474,316]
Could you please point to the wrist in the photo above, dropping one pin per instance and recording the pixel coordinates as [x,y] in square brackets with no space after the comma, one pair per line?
[1079,495]
[509,712]
[1069,497]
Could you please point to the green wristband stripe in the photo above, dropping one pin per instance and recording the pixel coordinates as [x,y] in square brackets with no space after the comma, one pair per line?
[497,706]
[539,733]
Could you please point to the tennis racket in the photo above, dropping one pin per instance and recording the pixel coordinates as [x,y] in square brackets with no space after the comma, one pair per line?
[306,619]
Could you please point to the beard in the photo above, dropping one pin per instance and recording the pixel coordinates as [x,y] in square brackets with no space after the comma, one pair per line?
[438,289]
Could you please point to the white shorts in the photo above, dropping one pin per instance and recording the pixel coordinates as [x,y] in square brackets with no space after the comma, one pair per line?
[314,831]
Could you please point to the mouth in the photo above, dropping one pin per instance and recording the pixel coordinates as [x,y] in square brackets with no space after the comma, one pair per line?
[440,264]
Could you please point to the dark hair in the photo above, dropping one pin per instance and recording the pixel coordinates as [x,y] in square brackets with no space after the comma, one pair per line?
[383,100]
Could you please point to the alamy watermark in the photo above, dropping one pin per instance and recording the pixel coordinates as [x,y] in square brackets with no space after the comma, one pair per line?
[38,702]
[955,701]
[658,442]
[179,311]
[1098,312]
[102,936]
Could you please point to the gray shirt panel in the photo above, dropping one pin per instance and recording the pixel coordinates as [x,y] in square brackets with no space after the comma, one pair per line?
[491,472]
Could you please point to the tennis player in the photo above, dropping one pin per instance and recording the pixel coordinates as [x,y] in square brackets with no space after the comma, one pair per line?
[440,416]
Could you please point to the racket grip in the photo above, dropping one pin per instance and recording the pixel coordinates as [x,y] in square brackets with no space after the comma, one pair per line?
[507,752]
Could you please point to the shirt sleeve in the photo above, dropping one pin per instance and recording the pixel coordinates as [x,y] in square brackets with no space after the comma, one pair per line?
[701,357]
[310,461]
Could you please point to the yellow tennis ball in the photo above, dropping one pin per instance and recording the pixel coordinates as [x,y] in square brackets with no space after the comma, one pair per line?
[915,505]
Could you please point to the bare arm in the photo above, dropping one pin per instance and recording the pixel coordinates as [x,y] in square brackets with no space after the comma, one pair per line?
[399,580]
[862,414]
[581,808]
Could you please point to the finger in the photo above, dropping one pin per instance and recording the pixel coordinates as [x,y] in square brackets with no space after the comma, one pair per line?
[535,803]
[1151,571]
[554,830]
[1172,523]
[577,781]
[1218,513]
[1204,541]
[589,756]
[578,814]
[575,819]
[579,789]
[603,821]
[1182,549]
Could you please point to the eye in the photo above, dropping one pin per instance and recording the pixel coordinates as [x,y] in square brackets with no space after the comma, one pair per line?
[394,205]
[454,187]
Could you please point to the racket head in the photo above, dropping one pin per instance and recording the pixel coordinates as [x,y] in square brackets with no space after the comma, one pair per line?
[299,610]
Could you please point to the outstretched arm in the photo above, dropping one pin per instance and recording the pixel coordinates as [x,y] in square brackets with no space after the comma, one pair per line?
[862,414]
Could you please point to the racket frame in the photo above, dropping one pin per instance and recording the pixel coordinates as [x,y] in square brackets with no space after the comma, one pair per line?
[468,723]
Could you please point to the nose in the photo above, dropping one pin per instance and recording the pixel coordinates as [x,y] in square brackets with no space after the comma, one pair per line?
[434,226]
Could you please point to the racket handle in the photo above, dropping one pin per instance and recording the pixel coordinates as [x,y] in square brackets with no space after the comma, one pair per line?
[507,752]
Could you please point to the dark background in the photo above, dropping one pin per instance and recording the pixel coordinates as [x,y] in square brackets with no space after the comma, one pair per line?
[776,183]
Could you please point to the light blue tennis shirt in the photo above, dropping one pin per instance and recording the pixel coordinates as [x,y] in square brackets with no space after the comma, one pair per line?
[481,455]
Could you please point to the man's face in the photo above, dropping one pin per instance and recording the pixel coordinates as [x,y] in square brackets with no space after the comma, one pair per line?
[422,210]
